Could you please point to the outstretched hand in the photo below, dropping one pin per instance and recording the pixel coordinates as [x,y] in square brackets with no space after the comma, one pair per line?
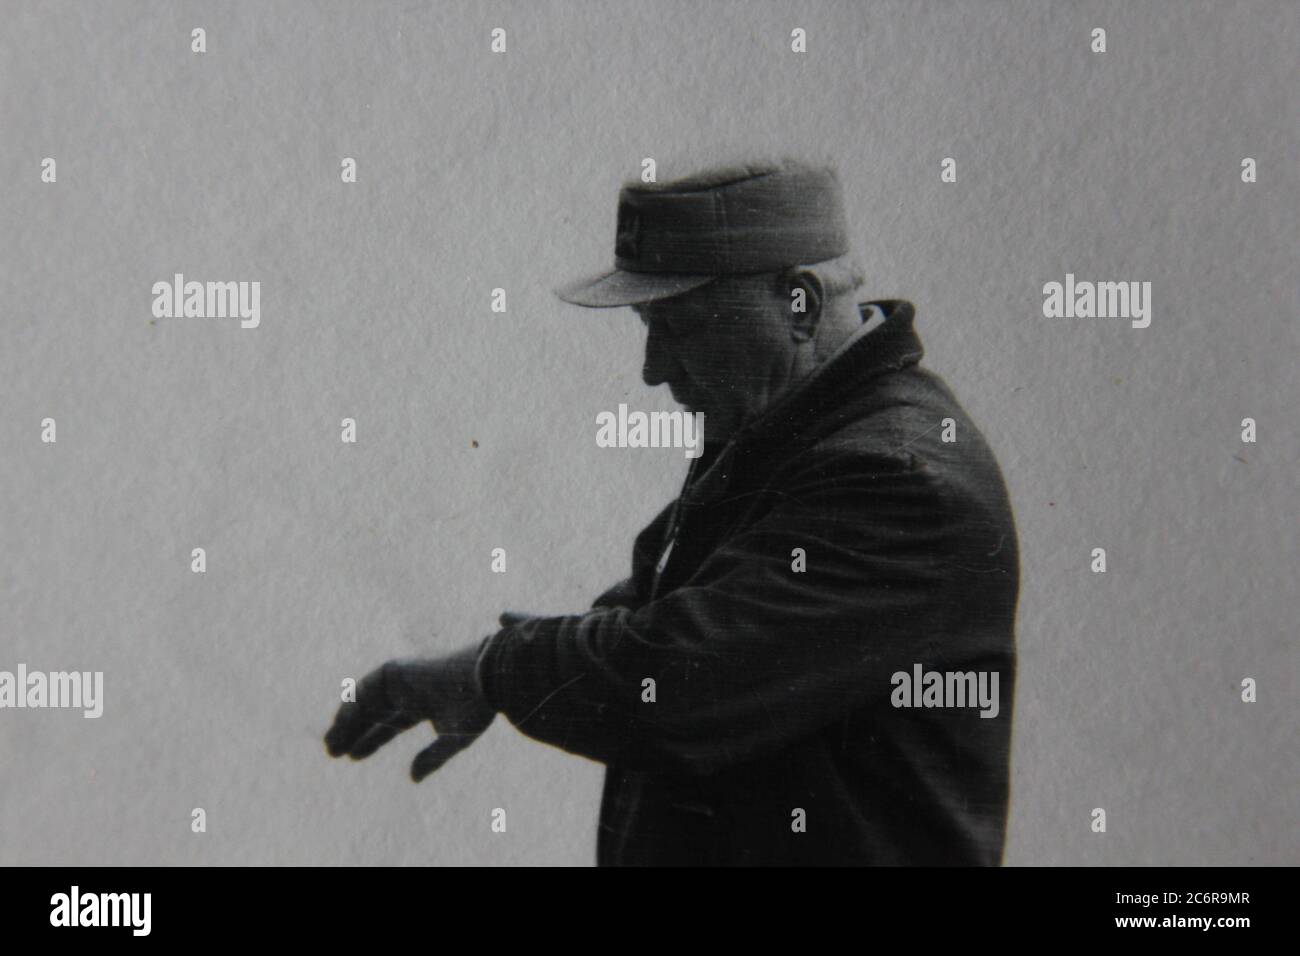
[401,694]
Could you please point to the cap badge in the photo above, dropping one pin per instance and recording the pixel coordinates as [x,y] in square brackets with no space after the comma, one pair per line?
[629,236]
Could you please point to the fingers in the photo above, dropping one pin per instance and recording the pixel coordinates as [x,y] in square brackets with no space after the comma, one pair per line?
[356,719]
[374,738]
[350,725]
[356,734]
[435,755]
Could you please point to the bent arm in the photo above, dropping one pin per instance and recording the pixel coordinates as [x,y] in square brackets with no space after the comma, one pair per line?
[749,655]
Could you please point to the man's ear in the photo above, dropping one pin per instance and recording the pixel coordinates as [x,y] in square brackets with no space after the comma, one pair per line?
[806,295]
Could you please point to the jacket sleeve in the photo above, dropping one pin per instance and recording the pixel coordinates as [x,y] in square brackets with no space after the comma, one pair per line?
[749,655]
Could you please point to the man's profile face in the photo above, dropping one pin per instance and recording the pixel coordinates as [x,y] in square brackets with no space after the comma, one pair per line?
[719,348]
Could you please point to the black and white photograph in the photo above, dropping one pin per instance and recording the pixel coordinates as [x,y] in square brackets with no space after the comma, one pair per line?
[649,433]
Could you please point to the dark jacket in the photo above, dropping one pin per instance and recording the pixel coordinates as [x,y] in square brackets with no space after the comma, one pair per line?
[772,686]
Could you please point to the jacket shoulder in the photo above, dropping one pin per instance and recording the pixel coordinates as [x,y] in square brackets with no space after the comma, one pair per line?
[911,422]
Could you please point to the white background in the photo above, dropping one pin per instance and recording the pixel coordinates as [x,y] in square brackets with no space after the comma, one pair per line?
[479,170]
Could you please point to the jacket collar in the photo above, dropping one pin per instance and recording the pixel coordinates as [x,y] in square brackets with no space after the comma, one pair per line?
[820,401]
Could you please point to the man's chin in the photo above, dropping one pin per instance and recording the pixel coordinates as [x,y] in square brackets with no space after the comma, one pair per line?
[692,408]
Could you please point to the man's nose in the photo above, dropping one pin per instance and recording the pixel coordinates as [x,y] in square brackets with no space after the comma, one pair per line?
[659,363]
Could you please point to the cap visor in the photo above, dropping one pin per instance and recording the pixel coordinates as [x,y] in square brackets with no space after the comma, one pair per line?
[629,288]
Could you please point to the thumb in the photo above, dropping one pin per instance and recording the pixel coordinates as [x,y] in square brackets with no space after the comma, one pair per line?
[434,756]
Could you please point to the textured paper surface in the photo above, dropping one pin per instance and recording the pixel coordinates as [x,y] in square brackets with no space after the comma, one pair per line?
[478,171]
